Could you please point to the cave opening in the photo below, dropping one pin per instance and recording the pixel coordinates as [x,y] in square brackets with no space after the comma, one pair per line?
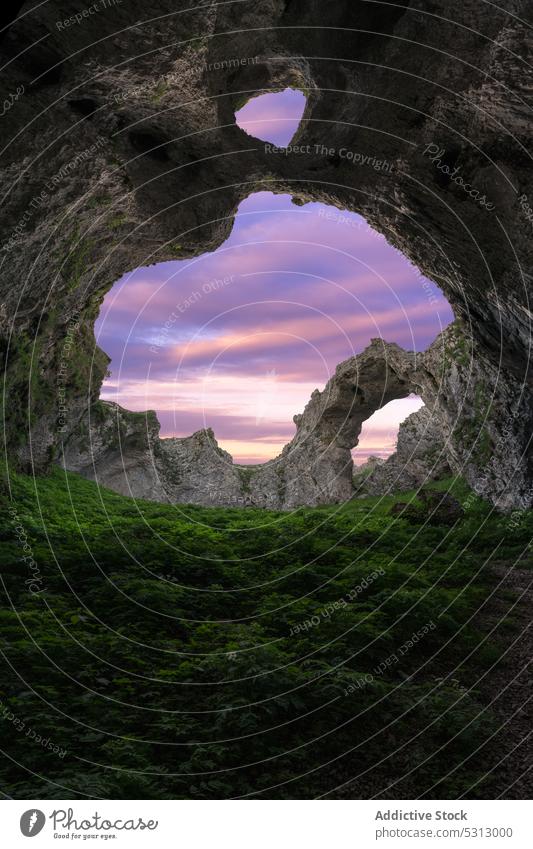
[273,116]
[237,340]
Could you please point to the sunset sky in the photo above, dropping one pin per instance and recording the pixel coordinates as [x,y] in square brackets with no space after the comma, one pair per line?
[273,117]
[238,339]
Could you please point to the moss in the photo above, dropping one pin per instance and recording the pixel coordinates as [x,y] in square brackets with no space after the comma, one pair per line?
[117,221]
[462,352]
[246,474]
[483,444]
[76,261]
[30,386]
[99,412]
[472,430]
[86,363]
[28,391]
[19,388]
[99,200]
[291,565]
[457,348]
[92,309]
[198,45]
[159,91]
[125,426]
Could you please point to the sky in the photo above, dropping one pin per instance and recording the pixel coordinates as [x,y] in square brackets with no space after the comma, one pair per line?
[238,339]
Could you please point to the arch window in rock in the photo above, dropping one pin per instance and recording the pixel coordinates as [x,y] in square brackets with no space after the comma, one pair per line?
[379,433]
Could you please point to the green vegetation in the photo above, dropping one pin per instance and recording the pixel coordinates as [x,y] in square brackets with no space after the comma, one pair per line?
[57,353]
[246,474]
[159,91]
[76,262]
[23,387]
[118,221]
[198,45]
[457,346]
[55,360]
[178,250]
[472,429]
[188,652]
[99,200]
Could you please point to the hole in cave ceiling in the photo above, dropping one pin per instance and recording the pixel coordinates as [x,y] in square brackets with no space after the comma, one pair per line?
[273,117]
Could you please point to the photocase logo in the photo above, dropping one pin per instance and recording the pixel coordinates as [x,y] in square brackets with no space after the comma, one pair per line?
[32,822]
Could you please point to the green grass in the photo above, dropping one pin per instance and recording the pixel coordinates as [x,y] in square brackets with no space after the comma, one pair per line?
[189,652]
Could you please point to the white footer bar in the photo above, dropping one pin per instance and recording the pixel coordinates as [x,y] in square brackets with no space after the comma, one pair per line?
[268,824]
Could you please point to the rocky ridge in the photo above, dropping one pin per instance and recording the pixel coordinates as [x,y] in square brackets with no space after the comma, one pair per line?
[123,451]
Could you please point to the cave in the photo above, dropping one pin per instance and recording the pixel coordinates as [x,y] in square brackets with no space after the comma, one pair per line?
[147,163]
[355,631]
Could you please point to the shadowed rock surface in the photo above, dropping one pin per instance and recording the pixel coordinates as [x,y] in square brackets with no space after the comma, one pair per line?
[122,150]
[434,508]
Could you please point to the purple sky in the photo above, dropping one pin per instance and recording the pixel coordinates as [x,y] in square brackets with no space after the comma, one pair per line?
[238,339]
[273,117]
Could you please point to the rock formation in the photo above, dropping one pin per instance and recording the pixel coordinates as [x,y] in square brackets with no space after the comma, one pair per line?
[122,450]
[121,149]
[115,447]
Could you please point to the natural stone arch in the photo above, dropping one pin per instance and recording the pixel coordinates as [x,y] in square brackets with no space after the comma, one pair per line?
[385,81]
[317,463]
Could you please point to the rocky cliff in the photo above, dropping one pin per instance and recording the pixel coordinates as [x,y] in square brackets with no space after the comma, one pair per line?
[121,149]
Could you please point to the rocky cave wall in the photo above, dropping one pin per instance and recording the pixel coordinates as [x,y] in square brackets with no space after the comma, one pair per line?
[120,149]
